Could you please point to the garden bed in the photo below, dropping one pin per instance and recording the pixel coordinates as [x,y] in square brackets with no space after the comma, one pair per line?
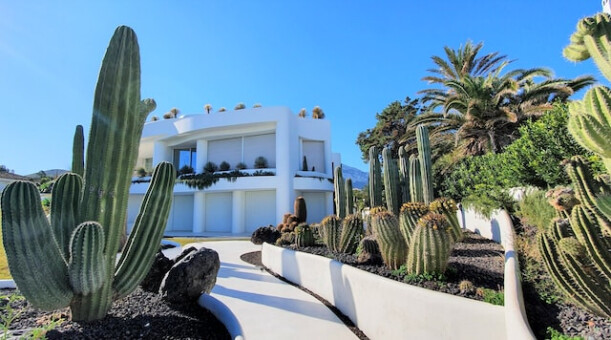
[139,315]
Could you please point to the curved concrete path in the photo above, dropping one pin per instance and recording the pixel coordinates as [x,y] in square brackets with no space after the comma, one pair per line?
[266,307]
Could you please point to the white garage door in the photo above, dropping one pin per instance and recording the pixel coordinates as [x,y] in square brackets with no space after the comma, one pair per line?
[133,207]
[260,209]
[181,218]
[218,212]
[316,205]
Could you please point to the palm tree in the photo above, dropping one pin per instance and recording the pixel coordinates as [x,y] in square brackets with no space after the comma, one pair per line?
[208,108]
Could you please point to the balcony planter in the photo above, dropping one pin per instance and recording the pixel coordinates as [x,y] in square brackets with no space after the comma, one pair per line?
[386,309]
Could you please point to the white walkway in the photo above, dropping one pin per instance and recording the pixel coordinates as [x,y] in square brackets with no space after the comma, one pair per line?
[266,307]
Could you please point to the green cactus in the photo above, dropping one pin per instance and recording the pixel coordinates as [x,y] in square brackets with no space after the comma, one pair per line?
[596,245]
[369,244]
[592,40]
[304,237]
[351,233]
[404,175]
[391,181]
[447,207]
[571,269]
[430,246]
[78,149]
[340,195]
[415,180]
[392,244]
[375,178]
[408,218]
[70,260]
[426,168]
[301,211]
[349,197]
[330,231]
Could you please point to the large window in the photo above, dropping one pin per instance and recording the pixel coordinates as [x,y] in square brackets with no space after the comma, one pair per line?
[314,152]
[243,149]
[184,157]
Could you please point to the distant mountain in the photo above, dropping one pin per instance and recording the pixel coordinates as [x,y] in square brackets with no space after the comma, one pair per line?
[359,178]
[53,173]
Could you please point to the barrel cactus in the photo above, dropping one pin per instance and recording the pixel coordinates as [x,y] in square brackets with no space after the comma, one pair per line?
[351,233]
[70,260]
[391,181]
[448,208]
[430,246]
[392,244]
[409,216]
[375,178]
[299,206]
[304,237]
[330,230]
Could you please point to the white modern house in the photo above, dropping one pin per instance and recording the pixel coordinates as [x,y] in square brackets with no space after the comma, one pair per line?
[241,205]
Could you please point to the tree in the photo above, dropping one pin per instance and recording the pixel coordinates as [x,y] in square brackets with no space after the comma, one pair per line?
[390,128]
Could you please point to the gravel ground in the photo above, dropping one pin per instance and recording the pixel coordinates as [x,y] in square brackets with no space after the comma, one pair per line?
[481,261]
[141,315]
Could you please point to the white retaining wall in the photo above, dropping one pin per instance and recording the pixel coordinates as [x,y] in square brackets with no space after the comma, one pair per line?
[386,309]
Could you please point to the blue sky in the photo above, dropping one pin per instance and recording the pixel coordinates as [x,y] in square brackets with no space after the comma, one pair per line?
[352,58]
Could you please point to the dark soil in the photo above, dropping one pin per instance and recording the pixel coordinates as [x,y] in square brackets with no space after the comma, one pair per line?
[141,315]
[481,261]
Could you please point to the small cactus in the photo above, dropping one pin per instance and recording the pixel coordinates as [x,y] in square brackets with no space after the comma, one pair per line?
[330,229]
[466,287]
[304,237]
[300,209]
[351,233]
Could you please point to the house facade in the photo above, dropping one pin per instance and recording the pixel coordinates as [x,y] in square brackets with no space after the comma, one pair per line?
[263,195]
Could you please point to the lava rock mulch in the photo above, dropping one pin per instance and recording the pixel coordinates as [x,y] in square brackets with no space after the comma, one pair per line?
[141,315]
[481,261]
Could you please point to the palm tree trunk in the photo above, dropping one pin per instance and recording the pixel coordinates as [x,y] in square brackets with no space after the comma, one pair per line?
[492,141]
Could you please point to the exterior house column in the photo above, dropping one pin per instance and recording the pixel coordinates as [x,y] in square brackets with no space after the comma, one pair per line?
[199,208]
[201,157]
[237,213]
[161,153]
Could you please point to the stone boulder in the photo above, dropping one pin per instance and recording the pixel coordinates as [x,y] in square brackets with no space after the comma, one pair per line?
[160,267]
[265,234]
[193,275]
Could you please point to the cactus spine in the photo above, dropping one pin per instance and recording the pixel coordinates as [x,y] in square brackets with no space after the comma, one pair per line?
[349,197]
[51,277]
[352,231]
[375,178]
[391,182]
[404,175]
[330,229]
[415,180]
[78,149]
[426,169]
[447,207]
[304,237]
[392,244]
[430,246]
[408,218]
[340,196]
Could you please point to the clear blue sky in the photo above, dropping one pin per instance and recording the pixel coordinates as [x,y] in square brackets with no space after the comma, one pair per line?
[350,57]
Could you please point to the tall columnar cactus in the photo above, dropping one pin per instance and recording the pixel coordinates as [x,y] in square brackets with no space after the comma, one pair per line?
[592,40]
[447,207]
[408,218]
[391,181]
[375,178]
[349,197]
[304,237]
[340,195]
[78,148]
[330,231]
[572,270]
[392,244]
[352,231]
[426,167]
[300,209]
[404,175]
[71,259]
[415,180]
[430,246]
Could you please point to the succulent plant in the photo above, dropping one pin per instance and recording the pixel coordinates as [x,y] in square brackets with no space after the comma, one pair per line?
[71,258]
[392,244]
[391,181]
[349,197]
[375,178]
[78,149]
[300,209]
[430,246]
[370,245]
[415,180]
[426,168]
[304,237]
[408,218]
[330,230]
[340,196]
[448,208]
[350,235]
[591,39]
[404,175]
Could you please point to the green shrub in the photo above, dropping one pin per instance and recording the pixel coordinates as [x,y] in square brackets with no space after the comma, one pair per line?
[492,296]
[553,334]
[224,166]
[260,162]
[241,166]
[210,167]
[535,210]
